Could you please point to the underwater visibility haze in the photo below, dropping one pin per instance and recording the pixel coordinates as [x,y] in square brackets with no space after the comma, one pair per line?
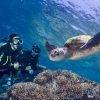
[54,20]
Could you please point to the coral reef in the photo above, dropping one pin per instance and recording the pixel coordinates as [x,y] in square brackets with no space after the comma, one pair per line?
[56,85]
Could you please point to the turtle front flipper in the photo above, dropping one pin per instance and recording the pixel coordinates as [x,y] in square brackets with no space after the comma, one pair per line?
[49,47]
[92,42]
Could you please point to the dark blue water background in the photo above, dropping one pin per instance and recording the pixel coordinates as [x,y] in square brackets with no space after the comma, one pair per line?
[35,20]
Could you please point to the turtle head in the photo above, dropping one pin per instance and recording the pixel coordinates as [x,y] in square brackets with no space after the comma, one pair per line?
[55,53]
[58,54]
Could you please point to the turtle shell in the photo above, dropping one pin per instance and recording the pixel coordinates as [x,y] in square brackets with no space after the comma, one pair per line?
[77,41]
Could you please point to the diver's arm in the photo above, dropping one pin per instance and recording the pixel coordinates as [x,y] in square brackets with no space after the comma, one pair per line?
[3,61]
[1,53]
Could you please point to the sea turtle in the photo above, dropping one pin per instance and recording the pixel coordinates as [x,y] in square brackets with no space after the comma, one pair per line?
[74,48]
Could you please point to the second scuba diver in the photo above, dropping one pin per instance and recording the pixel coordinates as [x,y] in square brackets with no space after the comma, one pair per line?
[29,61]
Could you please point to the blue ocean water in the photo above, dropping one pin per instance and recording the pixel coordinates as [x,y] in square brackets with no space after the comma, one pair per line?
[55,20]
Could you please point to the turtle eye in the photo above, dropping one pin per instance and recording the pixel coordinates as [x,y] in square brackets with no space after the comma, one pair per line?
[56,52]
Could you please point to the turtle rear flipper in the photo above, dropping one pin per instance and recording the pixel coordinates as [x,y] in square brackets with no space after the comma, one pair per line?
[92,42]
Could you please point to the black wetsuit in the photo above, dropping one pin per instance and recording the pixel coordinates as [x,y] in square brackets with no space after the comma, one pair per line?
[28,59]
[34,60]
[7,57]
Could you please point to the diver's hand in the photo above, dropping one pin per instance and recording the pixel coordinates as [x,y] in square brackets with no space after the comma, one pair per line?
[16,65]
[29,69]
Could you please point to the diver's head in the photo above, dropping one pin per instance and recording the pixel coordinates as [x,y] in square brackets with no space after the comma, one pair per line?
[36,48]
[58,54]
[15,41]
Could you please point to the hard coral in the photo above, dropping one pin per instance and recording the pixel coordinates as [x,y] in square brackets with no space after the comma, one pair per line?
[55,85]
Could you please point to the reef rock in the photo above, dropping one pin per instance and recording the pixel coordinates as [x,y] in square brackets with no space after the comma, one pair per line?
[56,85]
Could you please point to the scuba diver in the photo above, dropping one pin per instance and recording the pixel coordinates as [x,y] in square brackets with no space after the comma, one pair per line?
[34,59]
[8,55]
[35,54]
[29,61]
